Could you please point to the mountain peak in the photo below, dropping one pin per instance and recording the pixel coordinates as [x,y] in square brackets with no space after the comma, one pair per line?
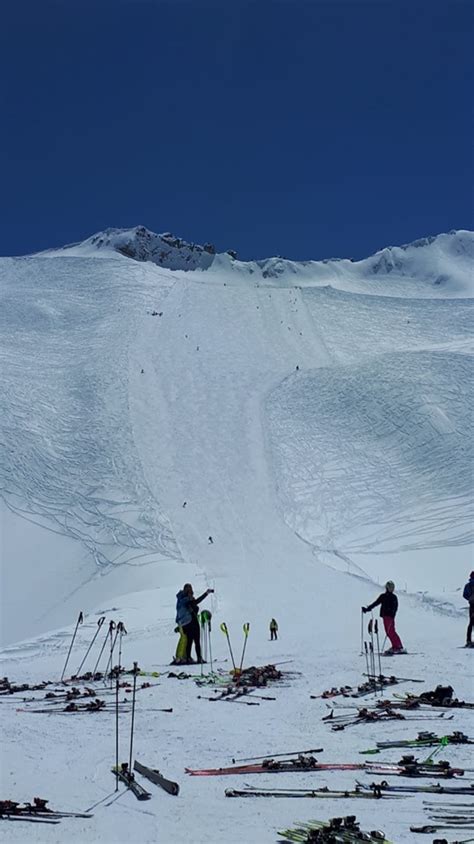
[139,243]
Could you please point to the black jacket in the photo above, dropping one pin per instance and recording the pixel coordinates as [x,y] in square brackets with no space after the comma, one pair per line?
[193,605]
[388,604]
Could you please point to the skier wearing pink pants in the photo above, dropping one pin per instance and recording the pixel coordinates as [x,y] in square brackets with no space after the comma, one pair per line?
[388,602]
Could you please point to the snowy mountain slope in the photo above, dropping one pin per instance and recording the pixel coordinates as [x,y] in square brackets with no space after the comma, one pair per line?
[131,389]
[310,419]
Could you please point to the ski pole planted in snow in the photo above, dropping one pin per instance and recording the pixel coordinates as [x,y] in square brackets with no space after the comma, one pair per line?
[110,630]
[376,628]
[226,634]
[367,659]
[117,681]
[123,633]
[135,672]
[79,621]
[99,625]
[246,628]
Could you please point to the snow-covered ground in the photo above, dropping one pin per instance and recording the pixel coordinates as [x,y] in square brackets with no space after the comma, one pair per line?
[314,420]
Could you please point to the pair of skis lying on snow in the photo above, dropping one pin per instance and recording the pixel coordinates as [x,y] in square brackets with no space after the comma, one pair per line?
[374,791]
[337,830]
[38,812]
[408,766]
[153,774]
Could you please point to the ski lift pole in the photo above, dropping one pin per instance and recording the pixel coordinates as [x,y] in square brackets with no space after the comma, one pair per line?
[246,628]
[226,634]
[79,621]
[99,625]
[111,628]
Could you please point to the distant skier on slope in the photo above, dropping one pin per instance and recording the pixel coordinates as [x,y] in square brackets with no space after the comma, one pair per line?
[273,630]
[468,594]
[187,618]
[388,602]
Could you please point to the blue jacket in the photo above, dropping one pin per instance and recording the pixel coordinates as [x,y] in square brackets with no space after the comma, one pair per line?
[468,593]
[183,610]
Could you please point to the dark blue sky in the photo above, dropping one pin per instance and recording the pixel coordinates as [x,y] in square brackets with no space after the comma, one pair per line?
[306,128]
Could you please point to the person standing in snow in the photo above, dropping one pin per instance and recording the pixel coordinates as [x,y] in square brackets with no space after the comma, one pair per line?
[187,619]
[468,594]
[273,630]
[388,602]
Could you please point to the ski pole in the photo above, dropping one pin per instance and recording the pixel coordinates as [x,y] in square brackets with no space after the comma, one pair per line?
[245,628]
[135,672]
[367,659]
[204,643]
[79,621]
[108,667]
[371,645]
[376,626]
[226,634]
[123,633]
[117,679]
[109,631]
[372,664]
[99,625]
[361,632]
[210,646]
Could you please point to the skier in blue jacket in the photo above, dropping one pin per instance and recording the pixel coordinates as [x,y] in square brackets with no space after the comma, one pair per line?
[187,619]
[468,594]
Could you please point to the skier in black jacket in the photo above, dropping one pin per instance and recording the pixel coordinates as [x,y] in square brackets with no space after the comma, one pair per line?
[468,594]
[388,602]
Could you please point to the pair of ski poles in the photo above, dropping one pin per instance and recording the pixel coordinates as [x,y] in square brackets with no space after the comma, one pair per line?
[369,648]
[120,631]
[135,672]
[246,628]
[207,646]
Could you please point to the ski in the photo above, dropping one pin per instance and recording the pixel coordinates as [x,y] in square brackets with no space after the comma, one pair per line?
[440,696]
[274,756]
[408,766]
[28,818]
[425,739]
[129,780]
[157,778]
[436,788]
[402,653]
[392,680]
[38,808]
[307,793]
[301,763]
[335,830]
[436,827]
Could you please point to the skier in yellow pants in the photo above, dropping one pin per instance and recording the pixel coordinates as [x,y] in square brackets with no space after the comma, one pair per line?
[180,655]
